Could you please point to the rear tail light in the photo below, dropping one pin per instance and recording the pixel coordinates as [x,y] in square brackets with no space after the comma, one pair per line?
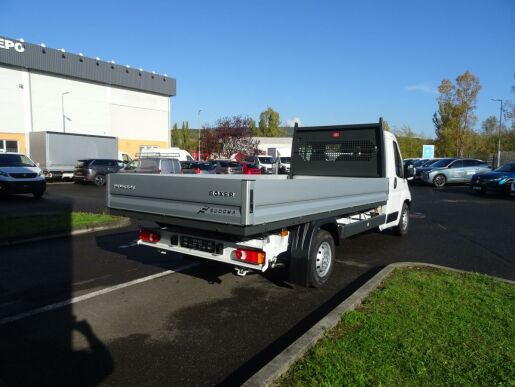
[149,236]
[197,170]
[255,257]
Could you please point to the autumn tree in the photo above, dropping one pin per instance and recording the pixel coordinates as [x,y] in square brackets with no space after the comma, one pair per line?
[269,122]
[229,135]
[455,118]
[176,136]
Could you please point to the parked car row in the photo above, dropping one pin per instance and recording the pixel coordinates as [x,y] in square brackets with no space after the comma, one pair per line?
[96,170]
[480,176]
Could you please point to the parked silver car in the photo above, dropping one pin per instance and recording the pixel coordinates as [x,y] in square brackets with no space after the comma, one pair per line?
[457,171]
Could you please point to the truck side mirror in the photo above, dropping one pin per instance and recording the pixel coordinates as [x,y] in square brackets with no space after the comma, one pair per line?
[409,171]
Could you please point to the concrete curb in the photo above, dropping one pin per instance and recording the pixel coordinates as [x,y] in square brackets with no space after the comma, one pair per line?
[282,362]
[119,224]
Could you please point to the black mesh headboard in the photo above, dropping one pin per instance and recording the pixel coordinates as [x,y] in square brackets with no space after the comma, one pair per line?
[340,150]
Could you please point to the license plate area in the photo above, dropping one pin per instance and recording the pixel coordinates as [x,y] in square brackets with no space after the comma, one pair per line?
[197,244]
[477,188]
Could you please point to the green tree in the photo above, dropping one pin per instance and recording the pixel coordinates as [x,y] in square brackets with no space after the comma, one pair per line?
[176,137]
[386,126]
[455,117]
[269,122]
[410,143]
[253,127]
[186,140]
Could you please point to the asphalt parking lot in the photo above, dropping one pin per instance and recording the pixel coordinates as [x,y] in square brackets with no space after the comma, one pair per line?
[59,197]
[174,321]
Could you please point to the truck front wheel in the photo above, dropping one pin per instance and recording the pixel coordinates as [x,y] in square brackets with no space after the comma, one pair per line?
[321,258]
[402,228]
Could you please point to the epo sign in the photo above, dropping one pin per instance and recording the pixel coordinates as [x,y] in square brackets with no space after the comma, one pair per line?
[7,44]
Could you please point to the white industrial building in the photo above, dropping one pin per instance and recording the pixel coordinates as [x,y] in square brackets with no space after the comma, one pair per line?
[43,89]
[275,146]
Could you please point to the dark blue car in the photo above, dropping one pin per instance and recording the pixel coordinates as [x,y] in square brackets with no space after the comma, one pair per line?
[498,180]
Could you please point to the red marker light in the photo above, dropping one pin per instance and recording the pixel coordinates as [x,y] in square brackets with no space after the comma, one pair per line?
[336,134]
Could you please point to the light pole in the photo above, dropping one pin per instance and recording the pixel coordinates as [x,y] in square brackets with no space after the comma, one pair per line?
[62,107]
[499,138]
[199,129]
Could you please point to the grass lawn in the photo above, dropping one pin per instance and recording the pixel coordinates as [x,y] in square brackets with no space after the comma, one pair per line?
[423,327]
[34,225]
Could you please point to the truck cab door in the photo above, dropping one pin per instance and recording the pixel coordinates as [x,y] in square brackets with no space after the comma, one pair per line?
[398,184]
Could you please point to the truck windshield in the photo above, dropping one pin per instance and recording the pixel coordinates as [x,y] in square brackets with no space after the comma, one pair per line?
[8,160]
[285,160]
[266,160]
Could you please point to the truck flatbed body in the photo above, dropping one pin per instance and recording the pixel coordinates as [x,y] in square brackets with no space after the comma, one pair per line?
[241,205]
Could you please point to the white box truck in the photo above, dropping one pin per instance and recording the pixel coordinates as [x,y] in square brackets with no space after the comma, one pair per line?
[57,153]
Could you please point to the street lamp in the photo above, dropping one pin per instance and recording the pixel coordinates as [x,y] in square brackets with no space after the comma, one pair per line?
[199,129]
[62,107]
[499,138]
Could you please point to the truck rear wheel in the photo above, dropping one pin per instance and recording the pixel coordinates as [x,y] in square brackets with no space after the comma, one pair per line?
[321,259]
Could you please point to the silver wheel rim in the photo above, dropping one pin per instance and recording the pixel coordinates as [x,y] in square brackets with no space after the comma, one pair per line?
[99,180]
[439,181]
[323,259]
[404,219]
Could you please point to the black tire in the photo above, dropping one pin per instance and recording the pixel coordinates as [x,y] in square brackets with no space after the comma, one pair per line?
[321,259]
[38,195]
[402,228]
[439,181]
[100,180]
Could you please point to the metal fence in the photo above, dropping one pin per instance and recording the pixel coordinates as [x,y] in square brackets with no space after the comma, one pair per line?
[491,158]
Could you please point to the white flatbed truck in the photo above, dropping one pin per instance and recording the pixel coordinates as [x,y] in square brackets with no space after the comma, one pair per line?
[343,180]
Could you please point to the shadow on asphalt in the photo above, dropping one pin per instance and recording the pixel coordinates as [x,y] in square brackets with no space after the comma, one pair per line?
[209,271]
[41,349]
[260,360]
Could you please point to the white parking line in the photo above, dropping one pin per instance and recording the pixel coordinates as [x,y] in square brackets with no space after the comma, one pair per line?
[354,263]
[88,296]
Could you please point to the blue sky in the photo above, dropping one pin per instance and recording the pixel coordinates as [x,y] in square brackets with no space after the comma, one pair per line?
[325,62]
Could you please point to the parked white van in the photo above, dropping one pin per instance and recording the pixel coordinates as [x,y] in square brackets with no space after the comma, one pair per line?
[176,153]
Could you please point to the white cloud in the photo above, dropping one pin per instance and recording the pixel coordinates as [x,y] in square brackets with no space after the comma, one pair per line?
[424,87]
[291,122]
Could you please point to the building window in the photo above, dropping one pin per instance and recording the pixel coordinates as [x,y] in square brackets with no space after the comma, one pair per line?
[8,146]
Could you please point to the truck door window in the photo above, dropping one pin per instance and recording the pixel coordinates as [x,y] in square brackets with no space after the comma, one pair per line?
[398,161]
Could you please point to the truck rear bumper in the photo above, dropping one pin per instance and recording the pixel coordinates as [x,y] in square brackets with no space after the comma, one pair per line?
[220,250]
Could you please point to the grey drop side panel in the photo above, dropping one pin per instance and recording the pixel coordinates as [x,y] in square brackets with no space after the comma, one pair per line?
[183,196]
[278,200]
[249,202]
